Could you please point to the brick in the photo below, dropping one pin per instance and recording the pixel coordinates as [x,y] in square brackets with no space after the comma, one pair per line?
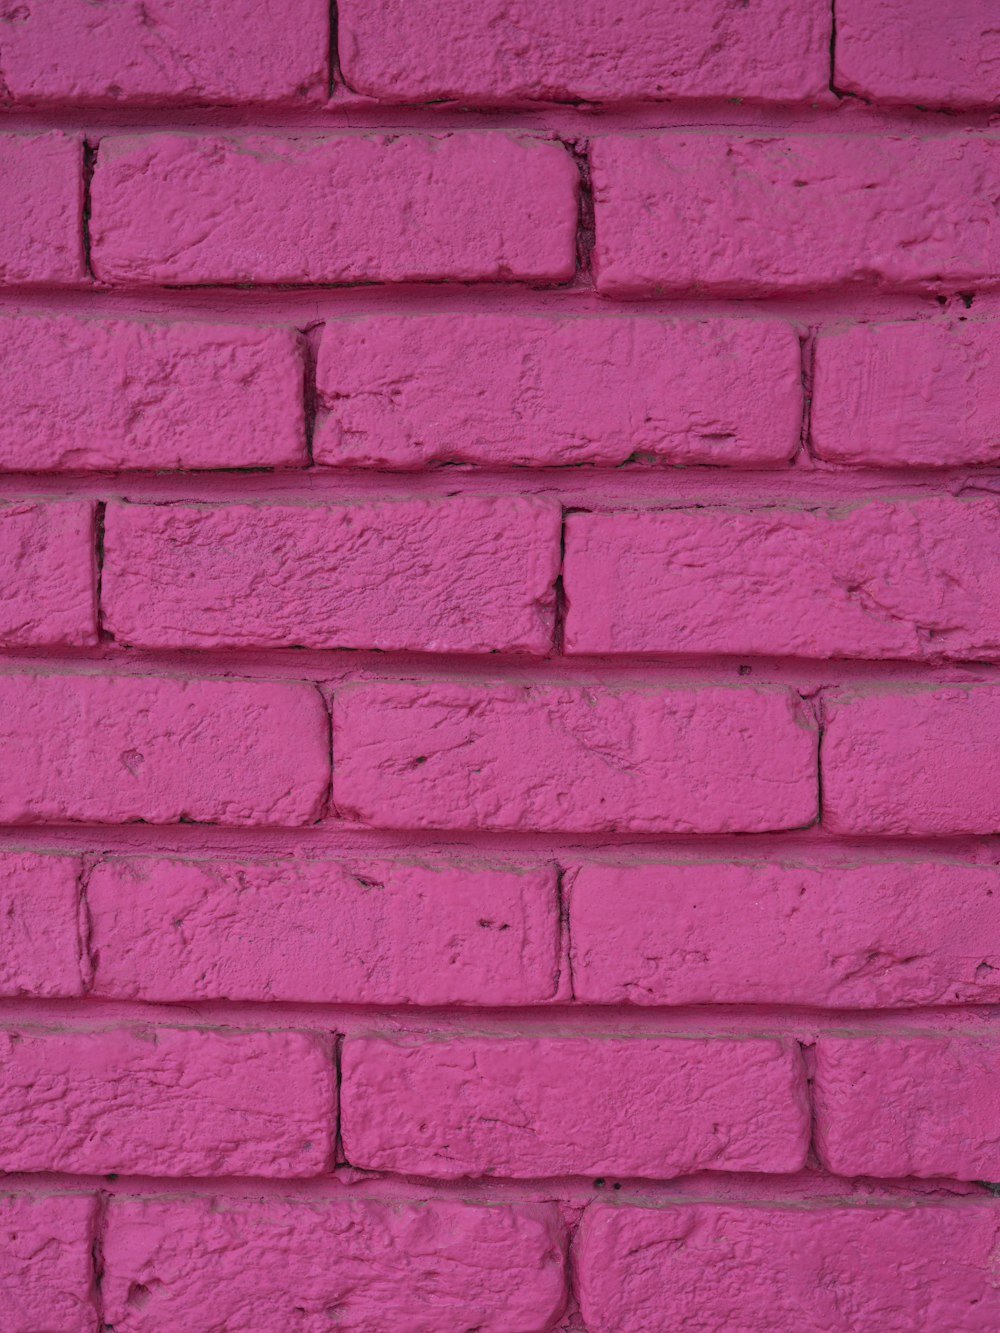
[918,761]
[874,580]
[906,1105]
[880,934]
[114,393]
[549,1106]
[41,217]
[361,1264]
[49,591]
[899,52]
[450,755]
[406,391]
[748,216]
[166,52]
[39,934]
[167,1102]
[466,207]
[376,932]
[117,749]
[907,395]
[839,1268]
[46,1267]
[460,574]
[499,51]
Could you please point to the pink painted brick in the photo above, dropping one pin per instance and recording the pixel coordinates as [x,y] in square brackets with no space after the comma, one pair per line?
[47,1278]
[167,1102]
[405,391]
[165,51]
[461,207]
[113,393]
[462,574]
[49,591]
[40,949]
[513,50]
[905,1105]
[360,1264]
[748,216]
[841,1268]
[450,755]
[881,934]
[41,214]
[875,580]
[375,932]
[116,749]
[908,395]
[918,761]
[549,1106]
[912,52]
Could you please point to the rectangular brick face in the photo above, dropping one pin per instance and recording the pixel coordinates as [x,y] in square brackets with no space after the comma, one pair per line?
[41,949]
[584,1106]
[46,1269]
[41,231]
[48,586]
[454,207]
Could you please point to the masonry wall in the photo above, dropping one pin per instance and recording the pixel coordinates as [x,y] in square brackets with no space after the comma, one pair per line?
[499,699]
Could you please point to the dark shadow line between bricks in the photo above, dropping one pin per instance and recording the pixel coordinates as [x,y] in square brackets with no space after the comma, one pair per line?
[89,166]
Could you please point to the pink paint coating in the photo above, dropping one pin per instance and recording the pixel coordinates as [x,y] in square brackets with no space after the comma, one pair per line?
[41,238]
[47,1276]
[41,944]
[48,575]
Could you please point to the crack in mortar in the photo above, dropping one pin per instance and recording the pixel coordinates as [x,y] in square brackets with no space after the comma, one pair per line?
[309,338]
[807,353]
[586,231]
[90,150]
[564,959]
[100,513]
[85,923]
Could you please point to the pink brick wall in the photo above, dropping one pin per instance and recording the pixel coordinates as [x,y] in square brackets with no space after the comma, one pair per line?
[500,666]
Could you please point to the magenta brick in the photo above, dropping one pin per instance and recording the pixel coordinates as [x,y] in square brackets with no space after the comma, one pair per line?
[41,216]
[747,216]
[908,1105]
[880,934]
[49,590]
[498,51]
[461,574]
[461,207]
[913,394]
[374,932]
[167,1102]
[879,579]
[510,756]
[112,393]
[909,51]
[840,1268]
[116,749]
[40,950]
[47,1278]
[548,1106]
[360,1264]
[917,761]
[405,391]
[165,51]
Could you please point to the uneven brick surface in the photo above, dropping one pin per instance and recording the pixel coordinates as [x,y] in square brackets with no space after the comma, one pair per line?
[46,1264]
[40,943]
[48,592]
[42,207]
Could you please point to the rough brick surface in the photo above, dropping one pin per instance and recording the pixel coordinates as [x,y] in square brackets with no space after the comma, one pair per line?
[918,761]
[750,216]
[908,1106]
[784,1270]
[443,755]
[881,579]
[114,749]
[584,1106]
[354,1264]
[466,207]
[466,574]
[48,594]
[912,51]
[164,51]
[46,1271]
[373,932]
[405,391]
[167,1102]
[40,943]
[497,51]
[110,393]
[41,236]
[842,936]
[910,394]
